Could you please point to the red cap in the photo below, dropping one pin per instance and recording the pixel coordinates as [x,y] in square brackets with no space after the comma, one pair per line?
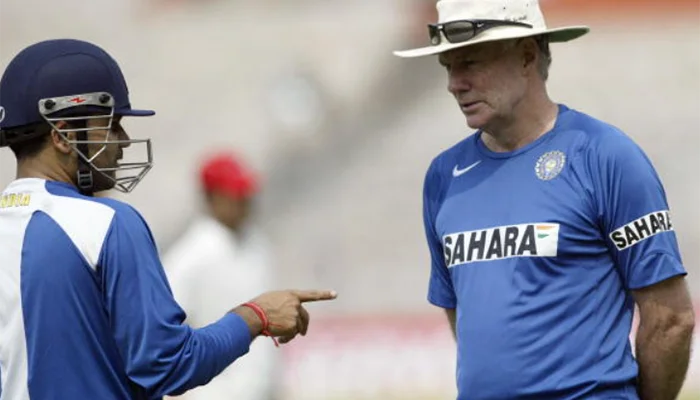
[223,173]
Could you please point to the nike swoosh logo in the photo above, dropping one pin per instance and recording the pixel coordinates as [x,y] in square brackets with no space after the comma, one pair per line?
[457,172]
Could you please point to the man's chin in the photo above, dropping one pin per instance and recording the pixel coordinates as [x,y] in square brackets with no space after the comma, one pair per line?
[480,120]
[102,183]
[475,123]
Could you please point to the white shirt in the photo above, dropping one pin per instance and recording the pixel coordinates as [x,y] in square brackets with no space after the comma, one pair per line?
[211,271]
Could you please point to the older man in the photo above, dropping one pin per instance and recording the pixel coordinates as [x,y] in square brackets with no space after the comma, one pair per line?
[546,227]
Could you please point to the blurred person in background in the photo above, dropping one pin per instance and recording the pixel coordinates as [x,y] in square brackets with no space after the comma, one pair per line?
[546,227]
[86,311]
[224,259]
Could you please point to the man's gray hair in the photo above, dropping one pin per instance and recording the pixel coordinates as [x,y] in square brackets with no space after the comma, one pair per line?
[544,61]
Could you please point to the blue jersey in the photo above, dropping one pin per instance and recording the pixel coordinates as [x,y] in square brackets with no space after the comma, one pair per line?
[537,250]
[85,309]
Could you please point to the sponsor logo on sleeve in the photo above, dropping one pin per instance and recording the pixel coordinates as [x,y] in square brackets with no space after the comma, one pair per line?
[641,228]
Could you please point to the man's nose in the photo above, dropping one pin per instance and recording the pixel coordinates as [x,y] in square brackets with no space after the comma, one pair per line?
[124,137]
[458,82]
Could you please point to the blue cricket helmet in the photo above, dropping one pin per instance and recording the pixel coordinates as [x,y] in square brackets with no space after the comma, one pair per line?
[68,79]
[59,68]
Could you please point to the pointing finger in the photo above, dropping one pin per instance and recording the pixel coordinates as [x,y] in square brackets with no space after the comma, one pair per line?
[315,295]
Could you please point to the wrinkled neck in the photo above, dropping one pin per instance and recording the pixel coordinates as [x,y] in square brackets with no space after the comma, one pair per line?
[533,116]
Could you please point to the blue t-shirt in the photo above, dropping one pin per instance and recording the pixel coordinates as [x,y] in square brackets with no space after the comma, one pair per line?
[537,250]
[86,311]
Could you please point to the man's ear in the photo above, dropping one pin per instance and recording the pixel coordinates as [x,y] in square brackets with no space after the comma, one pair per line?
[59,141]
[529,52]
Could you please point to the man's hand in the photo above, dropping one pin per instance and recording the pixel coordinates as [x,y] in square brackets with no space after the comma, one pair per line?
[285,313]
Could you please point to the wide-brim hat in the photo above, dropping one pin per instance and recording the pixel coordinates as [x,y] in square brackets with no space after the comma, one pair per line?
[525,11]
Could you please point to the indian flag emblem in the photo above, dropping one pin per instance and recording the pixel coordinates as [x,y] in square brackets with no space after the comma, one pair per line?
[547,238]
[544,231]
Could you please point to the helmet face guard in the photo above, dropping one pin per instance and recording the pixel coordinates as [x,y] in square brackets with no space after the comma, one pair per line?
[99,105]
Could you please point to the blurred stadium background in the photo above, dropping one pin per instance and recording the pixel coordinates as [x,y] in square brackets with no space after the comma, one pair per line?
[309,93]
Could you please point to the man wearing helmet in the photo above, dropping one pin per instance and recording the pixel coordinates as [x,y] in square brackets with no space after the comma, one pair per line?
[86,311]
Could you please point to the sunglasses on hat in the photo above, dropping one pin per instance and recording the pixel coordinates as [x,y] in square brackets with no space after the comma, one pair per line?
[463,30]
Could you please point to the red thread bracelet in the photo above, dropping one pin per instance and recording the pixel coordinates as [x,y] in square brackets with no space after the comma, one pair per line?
[263,318]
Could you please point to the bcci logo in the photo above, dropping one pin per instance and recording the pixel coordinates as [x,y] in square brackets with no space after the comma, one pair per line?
[550,164]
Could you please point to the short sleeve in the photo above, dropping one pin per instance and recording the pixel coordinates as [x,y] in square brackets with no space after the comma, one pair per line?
[440,290]
[634,213]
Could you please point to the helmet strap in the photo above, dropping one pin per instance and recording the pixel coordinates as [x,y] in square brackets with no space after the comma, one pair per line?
[85,179]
